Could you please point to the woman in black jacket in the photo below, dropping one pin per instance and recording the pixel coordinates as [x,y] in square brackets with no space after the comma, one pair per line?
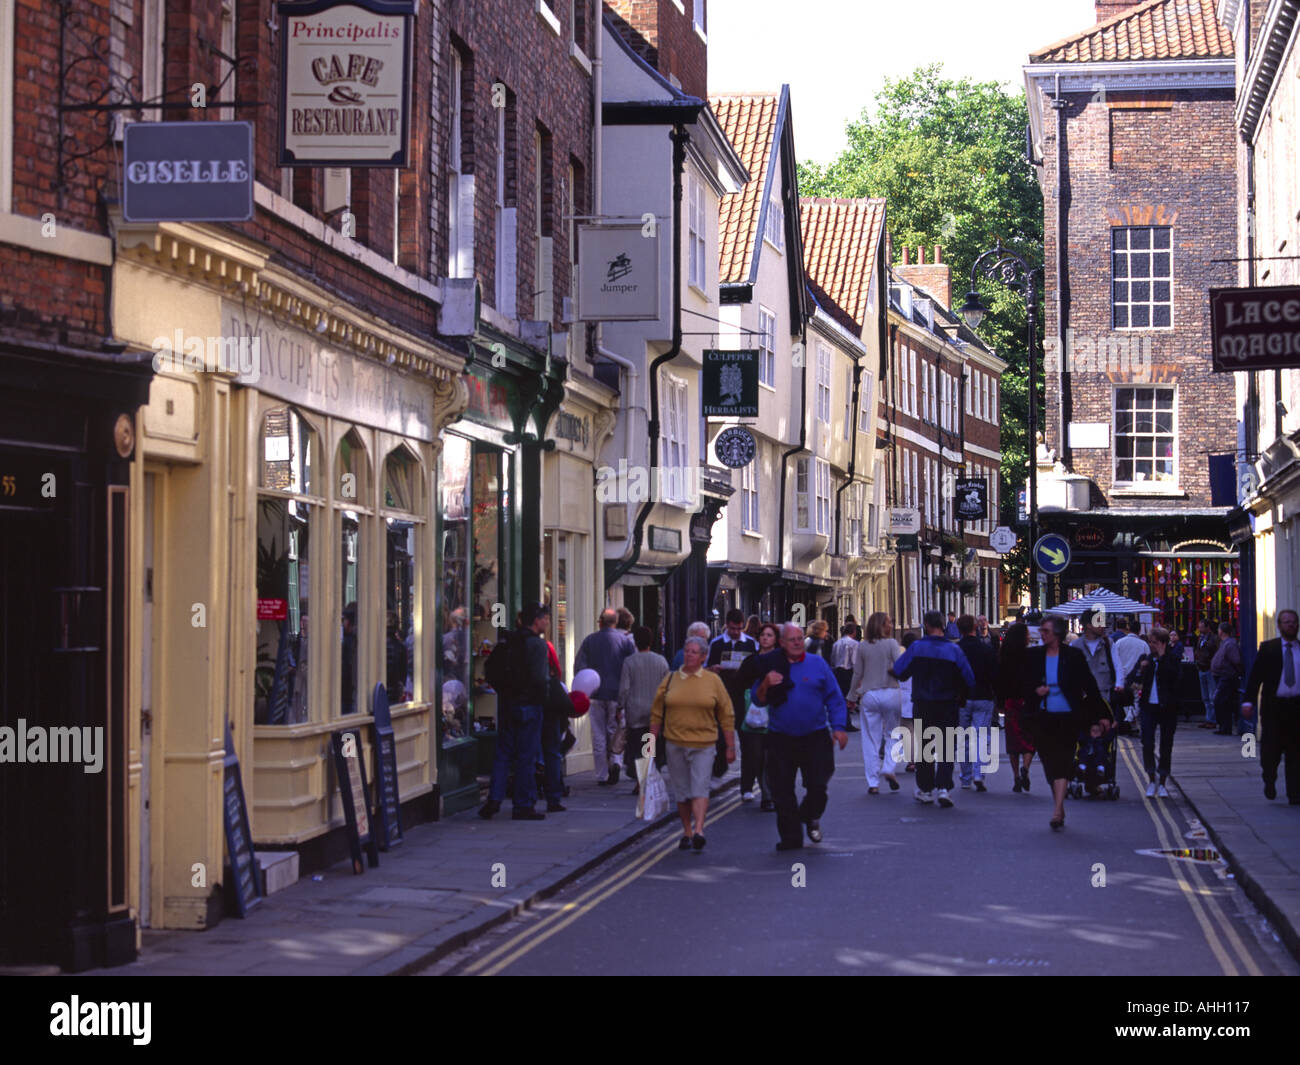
[1159,674]
[1061,701]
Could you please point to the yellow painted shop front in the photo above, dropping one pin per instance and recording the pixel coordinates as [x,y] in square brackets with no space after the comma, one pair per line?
[285,553]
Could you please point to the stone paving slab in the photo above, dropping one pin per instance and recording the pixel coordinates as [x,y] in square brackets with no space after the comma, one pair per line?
[430,895]
[1259,838]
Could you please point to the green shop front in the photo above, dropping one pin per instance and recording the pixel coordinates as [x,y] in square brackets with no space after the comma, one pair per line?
[490,513]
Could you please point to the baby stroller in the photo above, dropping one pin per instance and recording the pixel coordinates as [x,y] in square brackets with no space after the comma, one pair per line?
[1094,768]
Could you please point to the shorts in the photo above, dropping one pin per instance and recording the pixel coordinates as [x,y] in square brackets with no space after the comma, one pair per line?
[689,771]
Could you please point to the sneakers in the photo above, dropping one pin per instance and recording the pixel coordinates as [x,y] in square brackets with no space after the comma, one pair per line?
[979,786]
[1151,790]
[746,796]
[1161,792]
[923,796]
[966,785]
[945,800]
[814,831]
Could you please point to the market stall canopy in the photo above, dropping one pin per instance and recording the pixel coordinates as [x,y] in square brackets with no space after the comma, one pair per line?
[1112,602]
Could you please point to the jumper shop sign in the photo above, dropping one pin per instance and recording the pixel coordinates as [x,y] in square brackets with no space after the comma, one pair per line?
[345,82]
[1255,328]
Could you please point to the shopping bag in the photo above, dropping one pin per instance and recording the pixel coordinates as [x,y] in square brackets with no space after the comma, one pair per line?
[756,716]
[652,799]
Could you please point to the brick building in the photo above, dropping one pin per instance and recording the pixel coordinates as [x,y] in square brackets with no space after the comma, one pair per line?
[1132,138]
[261,545]
[940,411]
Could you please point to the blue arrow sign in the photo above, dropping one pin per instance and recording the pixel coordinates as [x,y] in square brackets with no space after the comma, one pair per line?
[1052,554]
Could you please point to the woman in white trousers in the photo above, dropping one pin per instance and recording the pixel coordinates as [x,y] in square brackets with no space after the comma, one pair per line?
[877,694]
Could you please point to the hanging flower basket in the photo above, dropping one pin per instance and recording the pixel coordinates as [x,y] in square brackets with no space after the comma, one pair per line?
[968,587]
[945,583]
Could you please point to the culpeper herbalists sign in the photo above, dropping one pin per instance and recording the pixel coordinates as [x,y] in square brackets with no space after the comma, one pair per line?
[345,82]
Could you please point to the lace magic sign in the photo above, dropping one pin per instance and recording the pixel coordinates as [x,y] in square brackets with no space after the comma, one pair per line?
[345,82]
[1255,328]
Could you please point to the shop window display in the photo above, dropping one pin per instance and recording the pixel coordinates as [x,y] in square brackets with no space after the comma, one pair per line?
[401,484]
[351,477]
[285,510]
[454,630]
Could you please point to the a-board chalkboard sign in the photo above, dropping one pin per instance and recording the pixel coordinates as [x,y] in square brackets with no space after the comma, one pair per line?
[388,806]
[351,771]
[245,883]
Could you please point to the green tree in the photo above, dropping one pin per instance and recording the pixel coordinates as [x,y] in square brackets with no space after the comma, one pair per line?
[949,157]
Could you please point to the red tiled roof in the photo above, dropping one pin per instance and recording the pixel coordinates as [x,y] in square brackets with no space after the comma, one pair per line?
[1157,29]
[749,121]
[840,238]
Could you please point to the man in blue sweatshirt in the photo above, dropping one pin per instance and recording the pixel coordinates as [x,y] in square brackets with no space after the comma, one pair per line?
[800,730]
[942,678]
[604,651]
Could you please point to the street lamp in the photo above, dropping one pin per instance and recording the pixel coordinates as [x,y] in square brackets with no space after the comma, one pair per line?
[1005,266]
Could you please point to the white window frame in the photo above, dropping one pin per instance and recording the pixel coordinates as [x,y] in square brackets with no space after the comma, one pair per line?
[915,408]
[822,489]
[1152,278]
[916,482]
[848,401]
[697,273]
[823,396]
[972,382]
[767,347]
[853,519]
[1167,483]
[507,240]
[774,223]
[675,444]
[994,383]
[749,513]
[866,385]
[802,493]
[699,18]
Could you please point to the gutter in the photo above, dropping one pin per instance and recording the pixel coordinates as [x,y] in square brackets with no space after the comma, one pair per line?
[617,568]
[800,446]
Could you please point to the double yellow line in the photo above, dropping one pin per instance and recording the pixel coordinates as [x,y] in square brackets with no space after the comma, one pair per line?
[1204,904]
[514,948]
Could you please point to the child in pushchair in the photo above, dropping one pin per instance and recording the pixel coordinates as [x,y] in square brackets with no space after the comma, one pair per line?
[1094,766]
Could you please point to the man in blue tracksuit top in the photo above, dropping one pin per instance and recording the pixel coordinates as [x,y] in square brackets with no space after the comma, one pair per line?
[803,699]
[941,679]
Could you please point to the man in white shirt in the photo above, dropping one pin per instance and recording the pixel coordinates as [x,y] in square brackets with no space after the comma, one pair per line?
[1128,649]
[842,655]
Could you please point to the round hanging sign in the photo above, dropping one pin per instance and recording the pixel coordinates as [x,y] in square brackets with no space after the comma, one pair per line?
[735,447]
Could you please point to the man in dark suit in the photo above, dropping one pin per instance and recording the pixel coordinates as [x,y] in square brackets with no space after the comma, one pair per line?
[1277,671]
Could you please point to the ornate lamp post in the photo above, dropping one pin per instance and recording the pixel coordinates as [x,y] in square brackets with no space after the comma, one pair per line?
[1005,266]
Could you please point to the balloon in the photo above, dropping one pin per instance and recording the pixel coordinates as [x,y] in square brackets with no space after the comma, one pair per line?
[587,681]
[581,703]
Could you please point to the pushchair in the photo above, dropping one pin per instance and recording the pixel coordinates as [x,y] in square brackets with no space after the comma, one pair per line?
[1094,767]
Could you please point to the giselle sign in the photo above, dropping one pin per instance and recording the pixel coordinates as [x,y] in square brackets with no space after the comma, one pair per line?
[345,82]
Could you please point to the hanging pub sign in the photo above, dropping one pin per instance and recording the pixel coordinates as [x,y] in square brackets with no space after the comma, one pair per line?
[187,172]
[618,273]
[972,499]
[345,82]
[1255,328]
[730,384]
[735,447]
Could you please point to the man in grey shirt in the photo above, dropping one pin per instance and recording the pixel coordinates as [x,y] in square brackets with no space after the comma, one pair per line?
[604,651]
[642,674]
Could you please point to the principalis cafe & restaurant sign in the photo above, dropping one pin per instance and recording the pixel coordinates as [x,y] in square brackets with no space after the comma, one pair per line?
[345,83]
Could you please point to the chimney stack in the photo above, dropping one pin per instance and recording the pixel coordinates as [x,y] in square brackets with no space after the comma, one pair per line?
[907,255]
[1108,9]
[935,278]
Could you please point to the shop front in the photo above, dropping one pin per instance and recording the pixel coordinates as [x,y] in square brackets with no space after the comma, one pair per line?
[286,541]
[1185,566]
[490,490]
[69,419]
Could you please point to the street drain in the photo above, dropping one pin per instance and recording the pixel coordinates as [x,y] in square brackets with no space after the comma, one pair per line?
[1186,854]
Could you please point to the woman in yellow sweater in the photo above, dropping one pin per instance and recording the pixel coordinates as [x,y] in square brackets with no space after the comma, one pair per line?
[689,708]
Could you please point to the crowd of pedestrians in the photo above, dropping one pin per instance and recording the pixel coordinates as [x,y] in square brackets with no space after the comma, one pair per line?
[780,698]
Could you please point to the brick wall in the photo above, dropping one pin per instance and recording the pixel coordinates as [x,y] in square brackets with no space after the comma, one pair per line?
[1184,177]
[665,37]
[508,41]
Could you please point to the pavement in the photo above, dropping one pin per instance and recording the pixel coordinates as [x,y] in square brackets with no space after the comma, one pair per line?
[1260,839]
[446,883]
[455,880]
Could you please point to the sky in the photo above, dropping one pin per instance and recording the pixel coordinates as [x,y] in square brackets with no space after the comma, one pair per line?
[837,54]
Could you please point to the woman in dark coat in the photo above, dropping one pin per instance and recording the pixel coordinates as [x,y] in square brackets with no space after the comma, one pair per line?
[1011,671]
[1061,701]
[1159,673]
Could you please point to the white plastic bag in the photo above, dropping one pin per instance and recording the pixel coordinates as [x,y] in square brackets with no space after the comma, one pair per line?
[756,716]
[652,799]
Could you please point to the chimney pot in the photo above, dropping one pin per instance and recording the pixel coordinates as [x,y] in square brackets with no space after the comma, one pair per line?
[938,254]
[920,255]
[907,255]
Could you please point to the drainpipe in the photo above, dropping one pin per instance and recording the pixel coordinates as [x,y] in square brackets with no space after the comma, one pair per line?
[1062,275]
[679,138]
[900,596]
[785,455]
